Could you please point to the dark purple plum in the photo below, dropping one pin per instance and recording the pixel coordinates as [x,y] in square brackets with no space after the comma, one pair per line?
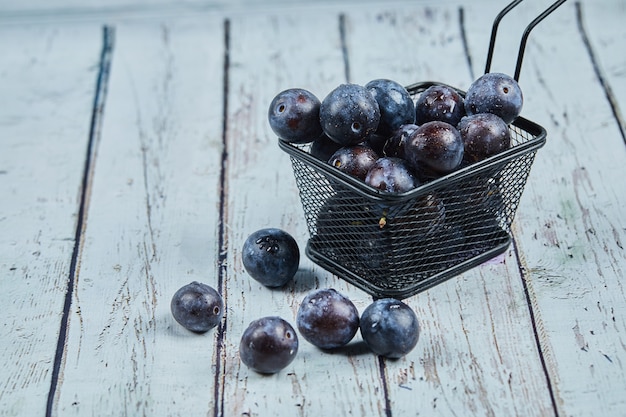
[327,319]
[424,218]
[197,307]
[390,328]
[393,175]
[354,160]
[495,93]
[334,215]
[340,224]
[475,198]
[349,114]
[373,250]
[394,146]
[376,142]
[271,256]
[323,148]
[395,104]
[294,116]
[438,145]
[439,103]
[399,232]
[484,135]
[268,345]
[449,245]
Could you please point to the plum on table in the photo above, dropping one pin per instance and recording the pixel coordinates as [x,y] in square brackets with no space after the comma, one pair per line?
[268,345]
[197,307]
[327,318]
[271,256]
[390,328]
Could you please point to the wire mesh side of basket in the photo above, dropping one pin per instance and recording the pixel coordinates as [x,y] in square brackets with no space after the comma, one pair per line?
[400,249]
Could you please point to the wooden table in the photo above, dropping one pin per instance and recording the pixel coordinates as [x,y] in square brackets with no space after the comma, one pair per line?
[136,157]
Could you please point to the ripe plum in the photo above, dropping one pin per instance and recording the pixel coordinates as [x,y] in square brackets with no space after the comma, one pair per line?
[271,256]
[439,102]
[268,345]
[395,104]
[389,327]
[484,135]
[349,114]
[294,116]
[327,319]
[324,147]
[394,146]
[197,307]
[391,175]
[495,93]
[438,145]
[354,160]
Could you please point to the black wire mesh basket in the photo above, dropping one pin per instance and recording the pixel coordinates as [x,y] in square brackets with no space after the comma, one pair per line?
[399,244]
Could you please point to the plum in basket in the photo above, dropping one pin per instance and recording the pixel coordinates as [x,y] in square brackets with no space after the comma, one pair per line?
[395,104]
[439,102]
[349,114]
[294,116]
[437,145]
[484,135]
[495,93]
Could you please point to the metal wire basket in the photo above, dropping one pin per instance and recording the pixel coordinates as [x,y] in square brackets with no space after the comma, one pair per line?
[399,244]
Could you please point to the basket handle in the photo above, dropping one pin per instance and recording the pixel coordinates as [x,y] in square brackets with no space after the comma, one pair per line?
[494,30]
[529,28]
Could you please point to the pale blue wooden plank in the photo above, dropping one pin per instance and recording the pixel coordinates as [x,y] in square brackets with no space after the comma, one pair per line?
[48,82]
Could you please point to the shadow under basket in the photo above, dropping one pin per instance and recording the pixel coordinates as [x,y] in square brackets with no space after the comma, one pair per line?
[399,244]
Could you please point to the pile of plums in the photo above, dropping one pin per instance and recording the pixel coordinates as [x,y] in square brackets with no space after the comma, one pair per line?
[393,141]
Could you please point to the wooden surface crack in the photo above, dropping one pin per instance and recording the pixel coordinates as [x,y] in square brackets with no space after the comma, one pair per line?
[106,57]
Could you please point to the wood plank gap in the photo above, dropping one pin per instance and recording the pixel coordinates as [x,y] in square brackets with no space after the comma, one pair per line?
[106,55]
[608,91]
[218,391]
[382,367]
[533,320]
[468,55]
[344,46]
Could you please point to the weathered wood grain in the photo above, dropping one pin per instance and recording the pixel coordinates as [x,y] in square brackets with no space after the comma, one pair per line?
[569,227]
[477,353]
[173,190]
[72,10]
[151,228]
[604,32]
[47,80]
[269,54]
